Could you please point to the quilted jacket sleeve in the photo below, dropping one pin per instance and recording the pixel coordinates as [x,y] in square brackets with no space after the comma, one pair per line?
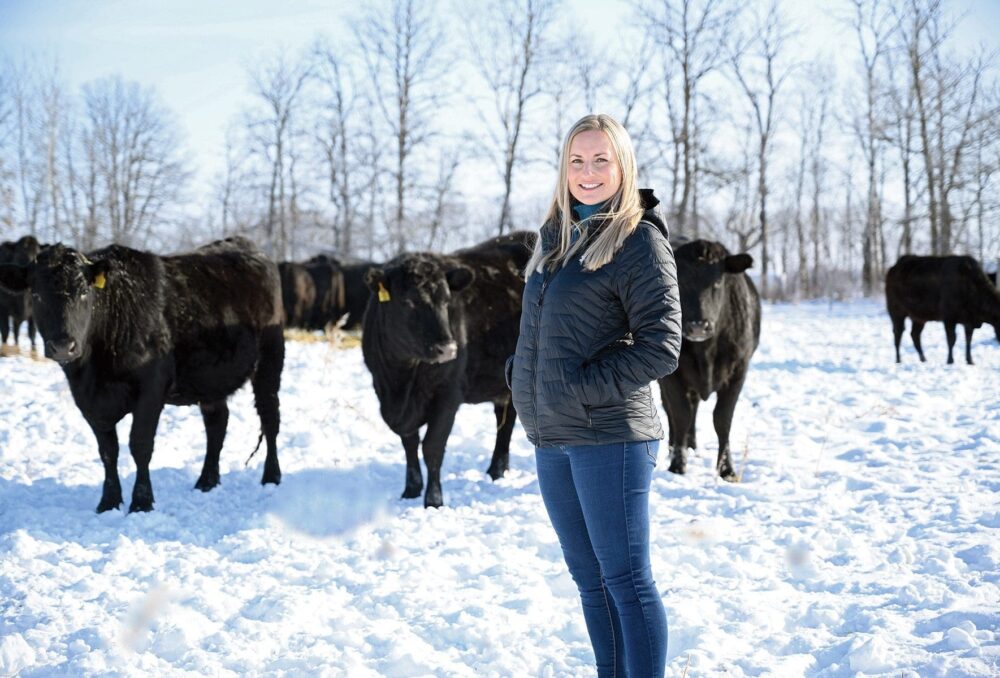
[649,294]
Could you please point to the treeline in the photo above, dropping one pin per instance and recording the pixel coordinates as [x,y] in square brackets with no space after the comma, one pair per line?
[429,125]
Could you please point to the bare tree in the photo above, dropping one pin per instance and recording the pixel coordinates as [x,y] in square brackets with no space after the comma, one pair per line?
[873,25]
[902,134]
[946,92]
[760,76]
[403,44]
[8,176]
[278,85]
[739,218]
[136,172]
[817,173]
[695,35]
[336,134]
[508,42]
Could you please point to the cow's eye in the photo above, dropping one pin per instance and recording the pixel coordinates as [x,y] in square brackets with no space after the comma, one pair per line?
[83,295]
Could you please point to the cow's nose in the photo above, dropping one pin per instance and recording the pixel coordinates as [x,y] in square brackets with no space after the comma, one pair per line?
[441,353]
[61,350]
[698,330]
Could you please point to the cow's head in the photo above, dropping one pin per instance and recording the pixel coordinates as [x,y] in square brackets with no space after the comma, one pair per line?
[412,295]
[703,268]
[64,285]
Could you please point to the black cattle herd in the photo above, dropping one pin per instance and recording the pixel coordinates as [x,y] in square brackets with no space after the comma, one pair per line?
[134,331]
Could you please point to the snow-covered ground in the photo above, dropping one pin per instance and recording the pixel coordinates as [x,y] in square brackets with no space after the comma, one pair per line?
[864,537]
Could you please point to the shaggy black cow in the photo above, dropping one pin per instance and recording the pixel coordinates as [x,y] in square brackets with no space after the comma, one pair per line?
[721,313]
[328,278]
[298,294]
[15,307]
[953,290]
[436,334]
[133,331]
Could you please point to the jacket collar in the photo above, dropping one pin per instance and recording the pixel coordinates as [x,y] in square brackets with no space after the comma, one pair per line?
[550,229]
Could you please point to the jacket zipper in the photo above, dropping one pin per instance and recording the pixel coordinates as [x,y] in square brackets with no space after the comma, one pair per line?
[534,367]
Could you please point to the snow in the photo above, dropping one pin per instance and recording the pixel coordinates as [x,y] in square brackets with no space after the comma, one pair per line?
[864,538]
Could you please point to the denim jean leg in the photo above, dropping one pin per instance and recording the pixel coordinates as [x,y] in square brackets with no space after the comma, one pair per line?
[555,481]
[612,482]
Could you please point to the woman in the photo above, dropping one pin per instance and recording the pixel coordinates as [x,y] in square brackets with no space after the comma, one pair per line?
[600,320]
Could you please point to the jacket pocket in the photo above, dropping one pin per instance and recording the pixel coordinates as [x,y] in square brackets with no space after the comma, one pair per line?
[614,416]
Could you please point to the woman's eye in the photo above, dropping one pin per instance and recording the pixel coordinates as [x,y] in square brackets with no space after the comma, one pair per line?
[601,161]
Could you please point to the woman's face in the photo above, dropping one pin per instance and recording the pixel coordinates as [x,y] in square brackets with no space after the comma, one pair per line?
[593,172]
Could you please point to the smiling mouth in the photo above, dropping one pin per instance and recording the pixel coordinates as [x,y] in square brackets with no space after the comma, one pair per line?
[589,187]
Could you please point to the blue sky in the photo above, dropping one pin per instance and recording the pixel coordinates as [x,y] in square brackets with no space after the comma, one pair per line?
[197,53]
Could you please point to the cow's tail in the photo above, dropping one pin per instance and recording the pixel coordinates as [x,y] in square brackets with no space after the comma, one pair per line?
[259,439]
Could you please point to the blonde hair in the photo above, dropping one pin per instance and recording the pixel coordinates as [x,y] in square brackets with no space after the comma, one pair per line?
[623,211]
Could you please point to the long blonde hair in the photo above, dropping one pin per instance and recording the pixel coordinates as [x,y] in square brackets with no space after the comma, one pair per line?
[623,211]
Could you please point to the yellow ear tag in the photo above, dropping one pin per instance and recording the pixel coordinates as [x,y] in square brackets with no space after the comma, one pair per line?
[383,293]
[99,281]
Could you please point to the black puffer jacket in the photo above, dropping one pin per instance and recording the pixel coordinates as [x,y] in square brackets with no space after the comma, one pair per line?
[592,341]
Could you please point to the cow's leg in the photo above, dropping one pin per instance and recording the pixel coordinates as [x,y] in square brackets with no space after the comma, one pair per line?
[949,333]
[32,332]
[673,433]
[916,327]
[216,417]
[722,417]
[107,447]
[266,383]
[968,343]
[505,415]
[898,325]
[414,476]
[145,418]
[4,330]
[15,327]
[435,440]
[678,407]
[691,439]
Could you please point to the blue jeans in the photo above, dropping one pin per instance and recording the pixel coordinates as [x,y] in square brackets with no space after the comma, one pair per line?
[597,497]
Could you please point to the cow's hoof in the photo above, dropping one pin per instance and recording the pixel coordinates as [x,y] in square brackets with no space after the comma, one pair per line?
[496,473]
[729,475]
[207,482]
[412,491]
[109,505]
[142,500]
[678,467]
[433,499]
[272,474]
[140,507]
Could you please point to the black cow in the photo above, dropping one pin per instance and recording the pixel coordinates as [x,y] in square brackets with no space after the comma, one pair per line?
[953,290]
[328,278]
[436,334]
[133,331]
[298,294]
[356,292]
[720,309]
[15,307]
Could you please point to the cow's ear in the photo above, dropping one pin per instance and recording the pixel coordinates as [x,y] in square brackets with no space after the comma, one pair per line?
[373,277]
[459,278]
[737,263]
[96,273]
[14,278]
